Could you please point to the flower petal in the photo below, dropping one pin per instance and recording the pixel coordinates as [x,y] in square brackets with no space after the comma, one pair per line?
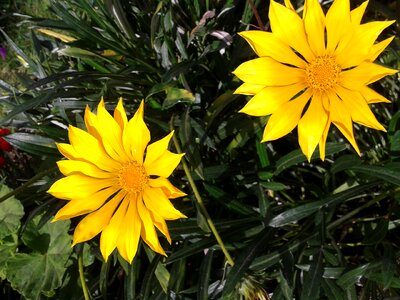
[136,135]
[90,149]
[249,89]
[78,186]
[357,13]
[289,27]
[164,164]
[156,200]
[314,24]
[322,142]
[371,96]
[129,234]
[312,125]
[109,236]
[267,71]
[120,115]
[337,23]
[362,40]
[69,167]
[95,222]
[358,108]
[363,74]
[378,48]
[156,149]
[78,206]
[148,232]
[341,117]
[169,190]
[267,44]
[289,5]
[161,225]
[285,119]
[268,100]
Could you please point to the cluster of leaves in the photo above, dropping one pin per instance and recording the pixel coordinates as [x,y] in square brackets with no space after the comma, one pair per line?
[294,229]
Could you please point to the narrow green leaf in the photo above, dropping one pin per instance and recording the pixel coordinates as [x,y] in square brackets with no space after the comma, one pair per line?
[312,281]
[32,143]
[296,156]
[381,172]
[205,274]
[351,277]
[332,290]
[243,261]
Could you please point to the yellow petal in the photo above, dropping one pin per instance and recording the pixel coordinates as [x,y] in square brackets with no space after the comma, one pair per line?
[358,108]
[289,27]
[161,225]
[148,232]
[249,89]
[91,123]
[156,200]
[378,48]
[285,119]
[109,236]
[363,74]
[267,44]
[95,222]
[322,142]
[312,125]
[359,48]
[69,167]
[337,23]
[156,149]
[371,96]
[129,234]
[267,71]
[111,135]
[164,164]
[341,117]
[81,206]
[120,115]
[136,135]
[268,100]
[357,13]
[169,190]
[78,186]
[90,149]
[314,24]
[289,5]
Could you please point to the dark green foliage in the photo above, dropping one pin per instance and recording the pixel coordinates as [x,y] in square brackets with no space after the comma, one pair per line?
[296,230]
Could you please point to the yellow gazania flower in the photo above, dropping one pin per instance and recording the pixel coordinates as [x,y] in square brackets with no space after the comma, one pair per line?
[296,63]
[107,177]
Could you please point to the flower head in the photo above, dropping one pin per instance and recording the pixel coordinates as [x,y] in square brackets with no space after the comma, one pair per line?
[314,71]
[119,181]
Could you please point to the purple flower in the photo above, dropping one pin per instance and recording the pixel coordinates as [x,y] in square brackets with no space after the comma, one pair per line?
[3,53]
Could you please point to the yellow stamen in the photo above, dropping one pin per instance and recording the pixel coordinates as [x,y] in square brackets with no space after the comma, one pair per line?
[133,177]
[322,73]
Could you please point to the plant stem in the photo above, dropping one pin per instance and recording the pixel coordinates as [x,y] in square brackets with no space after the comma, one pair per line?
[82,276]
[200,202]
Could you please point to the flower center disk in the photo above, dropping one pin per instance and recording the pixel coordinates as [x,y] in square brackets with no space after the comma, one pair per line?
[322,73]
[133,177]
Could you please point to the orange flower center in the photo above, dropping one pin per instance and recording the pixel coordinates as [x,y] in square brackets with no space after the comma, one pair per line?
[133,177]
[322,73]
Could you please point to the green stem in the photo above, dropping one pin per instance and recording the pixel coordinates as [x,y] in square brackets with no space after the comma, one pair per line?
[82,276]
[200,201]
[27,184]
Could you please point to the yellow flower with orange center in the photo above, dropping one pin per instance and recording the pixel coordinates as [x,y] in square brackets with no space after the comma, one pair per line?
[119,180]
[314,71]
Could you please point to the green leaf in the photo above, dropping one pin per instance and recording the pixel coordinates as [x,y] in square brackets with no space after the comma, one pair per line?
[175,96]
[32,143]
[312,281]
[332,290]
[243,261]
[41,271]
[11,212]
[296,156]
[378,234]
[302,211]
[351,277]
[161,271]
[205,272]
[8,248]
[381,172]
